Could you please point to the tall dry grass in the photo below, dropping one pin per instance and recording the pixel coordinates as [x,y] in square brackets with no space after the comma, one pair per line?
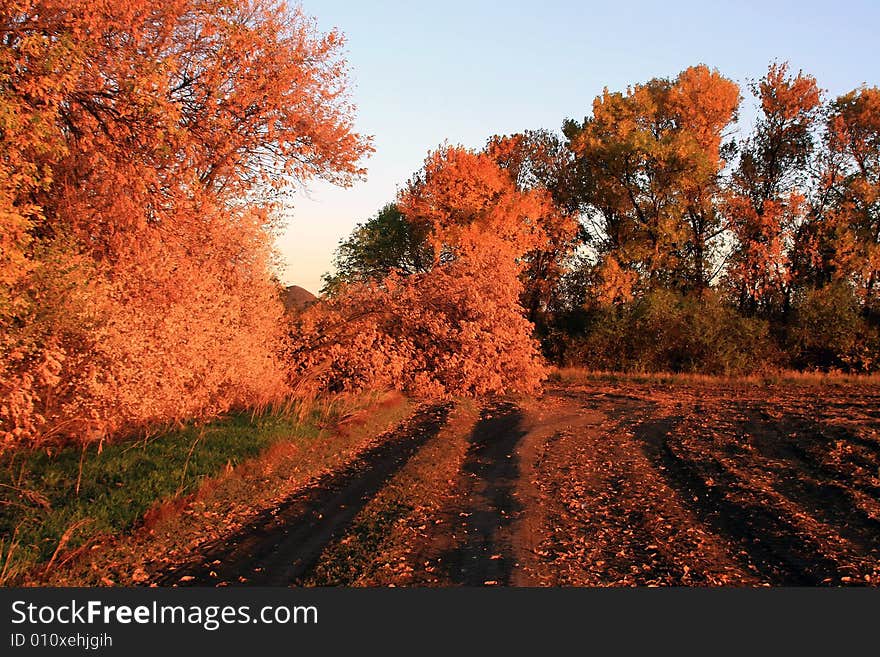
[775,377]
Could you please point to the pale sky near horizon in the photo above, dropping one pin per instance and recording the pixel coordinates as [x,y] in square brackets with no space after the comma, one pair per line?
[425,73]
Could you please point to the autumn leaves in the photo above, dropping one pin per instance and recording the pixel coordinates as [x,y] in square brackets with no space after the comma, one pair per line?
[144,147]
[674,200]
[457,327]
[653,157]
[779,225]
[654,237]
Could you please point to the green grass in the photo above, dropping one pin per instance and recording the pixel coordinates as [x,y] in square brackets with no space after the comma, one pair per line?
[39,501]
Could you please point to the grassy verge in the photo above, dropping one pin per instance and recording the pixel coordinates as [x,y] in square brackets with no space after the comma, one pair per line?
[784,377]
[179,525]
[53,502]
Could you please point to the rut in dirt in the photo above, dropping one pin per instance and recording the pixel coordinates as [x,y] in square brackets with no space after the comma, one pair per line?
[282,544]
[478,550]
[768,540]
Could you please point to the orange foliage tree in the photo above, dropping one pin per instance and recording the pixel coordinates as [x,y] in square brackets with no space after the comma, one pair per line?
[539,160]
[649,169]
[457,328]
[765,202]
[145,148]
[850,250]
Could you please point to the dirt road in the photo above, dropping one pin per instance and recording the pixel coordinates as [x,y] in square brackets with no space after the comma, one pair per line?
[611,484]
[281,544]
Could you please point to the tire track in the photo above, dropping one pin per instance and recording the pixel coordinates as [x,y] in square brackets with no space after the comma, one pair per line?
[471,545]
[607,514]
[769,541]
[281,545]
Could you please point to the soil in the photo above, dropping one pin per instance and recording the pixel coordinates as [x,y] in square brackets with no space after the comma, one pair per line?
[284,542]
[473,534]
[674,485]
[598,484]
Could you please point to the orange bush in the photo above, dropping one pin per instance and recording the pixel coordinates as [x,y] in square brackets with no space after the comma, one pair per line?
[457,329]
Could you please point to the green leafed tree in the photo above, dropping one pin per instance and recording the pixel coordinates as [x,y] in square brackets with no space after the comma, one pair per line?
[384,243]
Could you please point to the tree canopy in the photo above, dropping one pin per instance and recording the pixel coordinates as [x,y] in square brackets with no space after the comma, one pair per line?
[659,204]
[144,148]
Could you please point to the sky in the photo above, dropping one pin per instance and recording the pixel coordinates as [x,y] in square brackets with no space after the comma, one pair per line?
[423,73]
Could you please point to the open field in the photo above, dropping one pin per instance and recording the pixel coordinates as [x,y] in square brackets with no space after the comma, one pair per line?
[597,483]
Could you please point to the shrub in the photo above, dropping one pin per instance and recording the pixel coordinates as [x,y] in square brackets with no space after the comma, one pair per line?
[457,329]
[667,331]
[829,331]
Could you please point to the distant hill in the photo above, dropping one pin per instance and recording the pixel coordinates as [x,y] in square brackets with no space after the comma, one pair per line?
[296,299]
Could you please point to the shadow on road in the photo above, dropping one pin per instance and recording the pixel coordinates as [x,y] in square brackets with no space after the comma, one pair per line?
[283,543]
[482,552]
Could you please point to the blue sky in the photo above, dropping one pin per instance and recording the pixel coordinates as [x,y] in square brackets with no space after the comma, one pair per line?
[463,71]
